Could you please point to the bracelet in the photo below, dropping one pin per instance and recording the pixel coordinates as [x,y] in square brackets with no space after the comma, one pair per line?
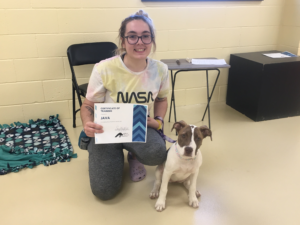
[160,121]
[160,124]
[160,130]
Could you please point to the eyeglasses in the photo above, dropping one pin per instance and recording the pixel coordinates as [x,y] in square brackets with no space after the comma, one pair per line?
[133,39]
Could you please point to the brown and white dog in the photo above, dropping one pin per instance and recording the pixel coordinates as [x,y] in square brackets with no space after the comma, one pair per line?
[182,164]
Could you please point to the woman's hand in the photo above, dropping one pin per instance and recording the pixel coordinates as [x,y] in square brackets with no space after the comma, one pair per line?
[87,118]
[152,123]
[90,128]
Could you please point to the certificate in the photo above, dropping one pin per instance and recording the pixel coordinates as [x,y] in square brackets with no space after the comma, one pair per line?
[121,122]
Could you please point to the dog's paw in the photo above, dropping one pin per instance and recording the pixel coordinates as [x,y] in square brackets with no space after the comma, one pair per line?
[154,194]
[194,202]
[197,194]
[160,205]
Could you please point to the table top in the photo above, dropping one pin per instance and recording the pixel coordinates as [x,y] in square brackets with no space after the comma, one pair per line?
[185,65]
[262,59]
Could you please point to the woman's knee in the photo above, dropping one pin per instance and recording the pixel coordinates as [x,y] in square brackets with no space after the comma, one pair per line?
[161,154]
[156,155]
[104,193]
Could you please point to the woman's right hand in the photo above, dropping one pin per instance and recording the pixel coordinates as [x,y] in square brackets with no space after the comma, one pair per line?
[90,128]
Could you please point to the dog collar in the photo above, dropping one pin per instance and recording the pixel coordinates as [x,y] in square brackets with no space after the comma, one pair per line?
[176,150]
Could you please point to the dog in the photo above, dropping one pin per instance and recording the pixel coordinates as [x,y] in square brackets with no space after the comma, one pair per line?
[182,165]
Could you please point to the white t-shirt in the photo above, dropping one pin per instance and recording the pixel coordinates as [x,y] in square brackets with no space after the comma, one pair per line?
[112,82]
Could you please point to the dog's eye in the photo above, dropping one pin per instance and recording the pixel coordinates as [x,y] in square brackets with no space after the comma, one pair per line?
[198,138]
[183,135]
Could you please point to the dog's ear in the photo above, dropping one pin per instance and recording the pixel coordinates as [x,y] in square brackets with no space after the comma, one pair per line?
[179,125]
[206,131]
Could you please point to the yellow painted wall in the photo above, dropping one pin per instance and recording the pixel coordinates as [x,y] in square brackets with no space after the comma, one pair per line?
[35,34]
[289,38]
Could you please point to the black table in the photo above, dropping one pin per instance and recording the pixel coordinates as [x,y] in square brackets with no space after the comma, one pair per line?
[185,66]
[264,88]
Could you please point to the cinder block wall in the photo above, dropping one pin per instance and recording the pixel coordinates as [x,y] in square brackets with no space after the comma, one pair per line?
[289,38]
[35,79]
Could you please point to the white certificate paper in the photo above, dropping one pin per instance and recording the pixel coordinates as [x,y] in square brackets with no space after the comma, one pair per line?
[121,123]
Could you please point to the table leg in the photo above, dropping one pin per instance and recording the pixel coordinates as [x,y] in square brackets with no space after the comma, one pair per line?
[208,98]
[211,93]
[172,96]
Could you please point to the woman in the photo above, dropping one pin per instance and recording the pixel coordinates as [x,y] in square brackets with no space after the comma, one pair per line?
[129,77]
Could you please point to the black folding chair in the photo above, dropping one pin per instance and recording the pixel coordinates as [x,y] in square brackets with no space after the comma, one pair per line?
[82,54]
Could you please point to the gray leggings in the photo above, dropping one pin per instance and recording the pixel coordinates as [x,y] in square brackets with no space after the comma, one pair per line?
[106,162]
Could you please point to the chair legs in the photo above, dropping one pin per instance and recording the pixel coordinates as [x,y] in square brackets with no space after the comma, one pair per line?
[74,109]
[74,104]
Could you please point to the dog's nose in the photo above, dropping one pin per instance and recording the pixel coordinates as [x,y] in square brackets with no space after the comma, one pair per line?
[188,150]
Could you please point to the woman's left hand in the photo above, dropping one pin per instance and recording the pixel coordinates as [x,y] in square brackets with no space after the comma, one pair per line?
[152,123]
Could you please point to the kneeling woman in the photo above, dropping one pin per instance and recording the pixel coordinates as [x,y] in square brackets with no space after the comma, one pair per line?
[131,71]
